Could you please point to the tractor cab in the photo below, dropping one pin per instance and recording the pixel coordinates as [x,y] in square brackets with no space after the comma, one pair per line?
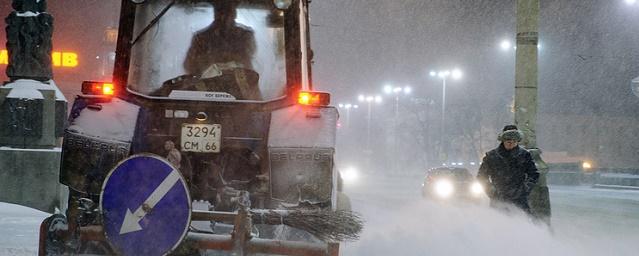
[211,50]
[218,91]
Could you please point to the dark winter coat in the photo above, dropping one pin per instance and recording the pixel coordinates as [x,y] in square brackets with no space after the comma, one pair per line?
[508,175]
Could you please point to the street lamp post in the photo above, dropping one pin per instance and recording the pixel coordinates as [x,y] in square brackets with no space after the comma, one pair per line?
[369,99]
[444,74]
[526,75]
[634,84]
[348,107]
[397,91]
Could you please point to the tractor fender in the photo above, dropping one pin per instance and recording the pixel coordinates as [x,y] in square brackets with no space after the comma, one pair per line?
[301,149]
[98,137]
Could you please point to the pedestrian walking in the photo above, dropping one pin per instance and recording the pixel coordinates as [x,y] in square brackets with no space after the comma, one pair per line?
[508,172]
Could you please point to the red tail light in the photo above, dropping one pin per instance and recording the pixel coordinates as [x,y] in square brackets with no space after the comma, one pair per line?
[314,98]
[98,88]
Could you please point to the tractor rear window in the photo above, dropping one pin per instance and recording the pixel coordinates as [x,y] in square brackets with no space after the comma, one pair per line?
[199,47]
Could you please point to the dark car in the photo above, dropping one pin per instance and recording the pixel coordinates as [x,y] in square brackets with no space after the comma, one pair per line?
[445,183]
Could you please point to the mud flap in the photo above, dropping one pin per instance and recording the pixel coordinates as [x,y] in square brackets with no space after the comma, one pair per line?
[51,241]
[333,249]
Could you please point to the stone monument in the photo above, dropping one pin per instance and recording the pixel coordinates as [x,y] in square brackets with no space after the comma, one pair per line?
[32,112]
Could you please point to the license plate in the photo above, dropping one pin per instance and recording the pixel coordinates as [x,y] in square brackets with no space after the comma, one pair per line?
[201,137]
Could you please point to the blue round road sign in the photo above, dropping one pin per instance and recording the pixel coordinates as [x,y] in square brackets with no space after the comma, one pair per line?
[145,205]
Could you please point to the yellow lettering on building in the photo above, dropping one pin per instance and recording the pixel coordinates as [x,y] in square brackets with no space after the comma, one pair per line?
[55,57]
[4,57]
[58,59]
[69,59]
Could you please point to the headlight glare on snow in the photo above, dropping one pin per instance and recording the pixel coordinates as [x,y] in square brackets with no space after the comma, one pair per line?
[444,188]
[476,189]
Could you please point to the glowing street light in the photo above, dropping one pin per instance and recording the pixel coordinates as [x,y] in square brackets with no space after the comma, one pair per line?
[456,74]
[505,45]
[397,90]
[408,90]
[388,89]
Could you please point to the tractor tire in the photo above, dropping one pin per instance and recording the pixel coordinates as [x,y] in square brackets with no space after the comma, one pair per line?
[51,243]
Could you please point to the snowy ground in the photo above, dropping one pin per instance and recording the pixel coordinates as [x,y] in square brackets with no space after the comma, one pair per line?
[585,221]
[19,229]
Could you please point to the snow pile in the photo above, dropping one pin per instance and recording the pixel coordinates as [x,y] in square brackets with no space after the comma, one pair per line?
[114,121]
[436,229]
[32,149]
[19,228]
[426,228]
[28,89]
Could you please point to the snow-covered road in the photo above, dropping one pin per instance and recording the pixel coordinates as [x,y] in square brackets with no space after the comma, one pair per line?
[585,221]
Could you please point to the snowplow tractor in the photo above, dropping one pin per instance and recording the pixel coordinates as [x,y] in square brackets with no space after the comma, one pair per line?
[209,140]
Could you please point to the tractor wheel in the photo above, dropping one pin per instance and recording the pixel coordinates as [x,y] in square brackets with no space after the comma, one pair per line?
[52,241]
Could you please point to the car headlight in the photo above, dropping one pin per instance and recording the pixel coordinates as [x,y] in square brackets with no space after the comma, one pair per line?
[444,188]
[476,189]
[350,175]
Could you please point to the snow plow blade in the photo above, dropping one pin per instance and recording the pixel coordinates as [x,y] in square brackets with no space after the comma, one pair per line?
[258,245]
[221,243]
[240,241]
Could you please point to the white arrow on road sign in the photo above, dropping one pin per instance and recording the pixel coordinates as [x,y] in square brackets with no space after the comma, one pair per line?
[131,220]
